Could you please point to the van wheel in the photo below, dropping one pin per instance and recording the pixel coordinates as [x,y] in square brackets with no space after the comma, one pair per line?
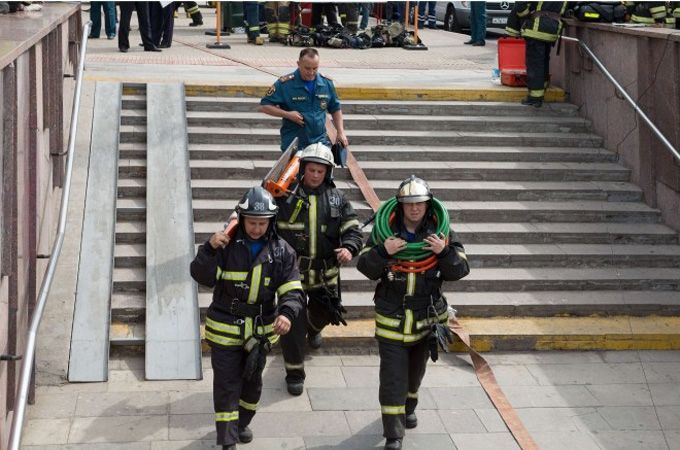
[450,22]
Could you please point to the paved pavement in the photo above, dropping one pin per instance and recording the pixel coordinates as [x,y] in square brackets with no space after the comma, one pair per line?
[447,63]
[567,400]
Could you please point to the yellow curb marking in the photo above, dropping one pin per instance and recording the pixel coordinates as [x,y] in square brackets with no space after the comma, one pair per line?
[492,93]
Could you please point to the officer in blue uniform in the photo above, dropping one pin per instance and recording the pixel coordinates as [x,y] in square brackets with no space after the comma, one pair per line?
[302,100]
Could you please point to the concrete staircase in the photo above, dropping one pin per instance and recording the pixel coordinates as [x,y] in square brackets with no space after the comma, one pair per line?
[551,224]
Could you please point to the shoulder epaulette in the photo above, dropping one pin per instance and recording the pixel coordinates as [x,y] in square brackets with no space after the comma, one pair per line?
[288,77]
[326,77]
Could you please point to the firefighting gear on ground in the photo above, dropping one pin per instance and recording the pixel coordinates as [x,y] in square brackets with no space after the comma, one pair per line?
[284,25]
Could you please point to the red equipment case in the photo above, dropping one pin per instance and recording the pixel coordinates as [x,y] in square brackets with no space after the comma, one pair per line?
[511,61]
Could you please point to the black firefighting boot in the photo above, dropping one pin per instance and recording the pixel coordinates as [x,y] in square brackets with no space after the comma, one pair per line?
[411,421]
[393,444]
[536,102]
[229,447]
[295,387]
[245,435]
[314,340]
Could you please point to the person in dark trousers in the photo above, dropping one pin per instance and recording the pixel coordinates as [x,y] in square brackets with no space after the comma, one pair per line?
[126,9]
[302,100]
[322,227]
[349,16]
[193,11]
[394,11]
[248,272]
[365,11]
[426,15]
[409,306]
[109,19]
[321,10]
[477,24]
[162,24]
[252,10]
[540,25]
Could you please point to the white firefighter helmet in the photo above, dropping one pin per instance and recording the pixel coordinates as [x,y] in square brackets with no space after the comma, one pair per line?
[413,190]
[318,153]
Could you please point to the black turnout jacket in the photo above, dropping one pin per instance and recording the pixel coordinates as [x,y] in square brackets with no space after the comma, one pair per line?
[245,288]
[406,304]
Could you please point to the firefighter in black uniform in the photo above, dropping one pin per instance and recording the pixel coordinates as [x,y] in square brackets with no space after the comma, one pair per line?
[408,304]
[243,320]
[649,13]
[320,224]
[541,26]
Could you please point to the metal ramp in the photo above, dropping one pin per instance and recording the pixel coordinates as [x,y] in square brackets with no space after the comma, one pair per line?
[173,346]
[89,354]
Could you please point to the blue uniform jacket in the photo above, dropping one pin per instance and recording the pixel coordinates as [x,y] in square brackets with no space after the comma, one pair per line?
[290,94]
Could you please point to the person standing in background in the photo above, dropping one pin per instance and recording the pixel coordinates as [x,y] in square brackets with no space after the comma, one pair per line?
[162,18]
[477,24]
[109,19]
[426,15]
[126,9]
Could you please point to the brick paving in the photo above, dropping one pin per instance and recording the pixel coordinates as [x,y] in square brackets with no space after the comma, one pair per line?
[445,51]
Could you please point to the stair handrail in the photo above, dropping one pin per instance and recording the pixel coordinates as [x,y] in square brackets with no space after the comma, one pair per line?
[29,352]
[625,94]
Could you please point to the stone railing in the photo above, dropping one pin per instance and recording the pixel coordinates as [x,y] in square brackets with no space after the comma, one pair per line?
[38,52]
[646,62]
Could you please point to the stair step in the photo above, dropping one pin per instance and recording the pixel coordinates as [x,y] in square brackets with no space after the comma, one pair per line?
[398,152]
[129,307]
[130,255]
[566,211]
[496,334]
[429,108]
[616,191]
[204,135]
[414,153]
[397,170]
[531,233]
[130,232]
[452,190]
[207,135]
[430,170]
[527,255]
[493,279]
[129,279]
[382,121]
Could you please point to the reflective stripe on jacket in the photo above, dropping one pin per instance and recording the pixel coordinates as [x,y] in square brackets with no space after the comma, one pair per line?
[240,279]
[402,301]
[315,224]
[541,19]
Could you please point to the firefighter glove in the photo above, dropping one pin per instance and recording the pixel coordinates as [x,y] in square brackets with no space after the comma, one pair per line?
[256,358]
[432,347]
[443,336]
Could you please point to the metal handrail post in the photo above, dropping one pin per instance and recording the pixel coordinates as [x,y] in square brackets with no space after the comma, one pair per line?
[29,353]
[625,94]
